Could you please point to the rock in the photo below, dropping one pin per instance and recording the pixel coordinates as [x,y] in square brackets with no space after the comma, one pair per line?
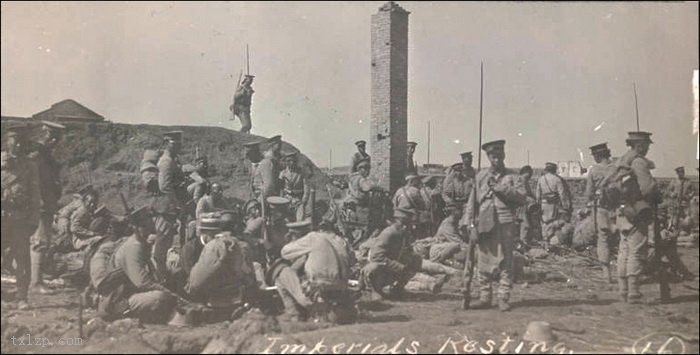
[218,346]
[123,325]
[94,325]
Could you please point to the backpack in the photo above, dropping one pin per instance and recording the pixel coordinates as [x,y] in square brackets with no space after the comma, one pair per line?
[149,170]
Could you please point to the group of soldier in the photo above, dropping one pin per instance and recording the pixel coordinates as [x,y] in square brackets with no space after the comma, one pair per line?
[189,246]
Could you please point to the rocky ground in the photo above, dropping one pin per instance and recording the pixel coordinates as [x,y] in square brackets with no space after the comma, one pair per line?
[565,291]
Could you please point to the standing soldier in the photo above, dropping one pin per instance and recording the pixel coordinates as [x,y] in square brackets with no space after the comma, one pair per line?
[596,180]
[411,167]
[409,197]
[458,187]
[359,155]
[635,215]
[21,201]
[467,168]
[266,174]
[555,200]
[681,194]
[491,216]
[51,191]
[294,186]
[526,222]
[170,202]
[242,100]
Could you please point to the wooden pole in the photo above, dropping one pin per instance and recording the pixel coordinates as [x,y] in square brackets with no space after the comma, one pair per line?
[636,106]
[428,141]
[247,60]
[330,160]
[481,115]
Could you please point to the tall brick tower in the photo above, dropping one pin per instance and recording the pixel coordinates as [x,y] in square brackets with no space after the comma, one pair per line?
[389,131]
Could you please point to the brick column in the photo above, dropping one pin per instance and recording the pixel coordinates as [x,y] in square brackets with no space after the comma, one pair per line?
[388,129]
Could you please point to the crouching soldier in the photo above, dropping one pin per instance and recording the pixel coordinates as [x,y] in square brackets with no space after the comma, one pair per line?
[223,275]
[312,276]
[392,262]
[130,288]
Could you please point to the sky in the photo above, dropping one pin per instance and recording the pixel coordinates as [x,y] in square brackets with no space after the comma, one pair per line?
[554,72]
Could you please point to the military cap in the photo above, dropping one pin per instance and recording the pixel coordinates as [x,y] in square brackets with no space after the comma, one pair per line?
[466,155]
[250,204]
[412,144]
[599,148]
[426,179]
[16,130]
[526,169]
[550,166]
[209,223]
[363,163]
[457,166]
[290,155]
[251,145]
[173,136]
[403,214]
[493,145]
[249,76]
[360,142]
[275,139]
[141,213]
[411,176]
[299,226]
[638,136]
[679,169]
[277,201]
[52,125]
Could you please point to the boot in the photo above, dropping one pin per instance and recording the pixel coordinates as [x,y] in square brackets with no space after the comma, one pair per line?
[607,275]
[634,296]
[484,301]
[622,288]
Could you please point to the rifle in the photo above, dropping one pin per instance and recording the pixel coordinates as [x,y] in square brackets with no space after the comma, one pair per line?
[263,211]
[677,209]
[471,250]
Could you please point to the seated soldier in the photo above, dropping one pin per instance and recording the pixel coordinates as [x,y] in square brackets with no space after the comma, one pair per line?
[79,222]
[198,175]
[392,262]
[252,233]
[213,201]
[207,228]
[137,294]
[223,275]
[61,223]
[447,241]
[312,278]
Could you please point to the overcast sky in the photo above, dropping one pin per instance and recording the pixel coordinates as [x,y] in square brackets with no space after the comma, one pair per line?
[553,71]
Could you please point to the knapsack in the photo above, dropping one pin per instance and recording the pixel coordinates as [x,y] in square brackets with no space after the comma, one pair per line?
[149,170]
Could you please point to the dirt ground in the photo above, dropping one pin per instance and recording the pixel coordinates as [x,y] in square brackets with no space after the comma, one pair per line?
[564,291]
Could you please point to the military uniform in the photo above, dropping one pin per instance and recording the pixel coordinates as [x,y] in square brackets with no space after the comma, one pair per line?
[208,204]
[359,187]
[596,182]
[21,201]
[635,229]
[80,221]
[458,187]
[411,167]
[242,101]
[265,178]
[391,258]
[555,200]
[358,156]
[326,260]
[295,189]
[496,226]
[682,192]
[446,242]
[168,204]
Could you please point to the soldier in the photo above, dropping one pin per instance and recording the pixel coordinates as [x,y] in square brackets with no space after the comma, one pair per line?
[21,201]
[212,202]
[457,189]
[266,175]
[526,220]
[359,184]
[359,155]
[555,200]
[294,186]
[432,192]
[392,262]
[409,197]
[139,295]
[315,274]
[635,215]
[411,167]
[491,217]
[596,180]
[681,194]
[447,241]
[169,204]
[467,168]
[242,100]
[199,177]
[51,191]
[81,235]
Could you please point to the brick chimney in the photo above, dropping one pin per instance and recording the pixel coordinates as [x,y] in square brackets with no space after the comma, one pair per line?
[388,130]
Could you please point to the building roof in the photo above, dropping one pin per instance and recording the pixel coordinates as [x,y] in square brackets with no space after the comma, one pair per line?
[69,110]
